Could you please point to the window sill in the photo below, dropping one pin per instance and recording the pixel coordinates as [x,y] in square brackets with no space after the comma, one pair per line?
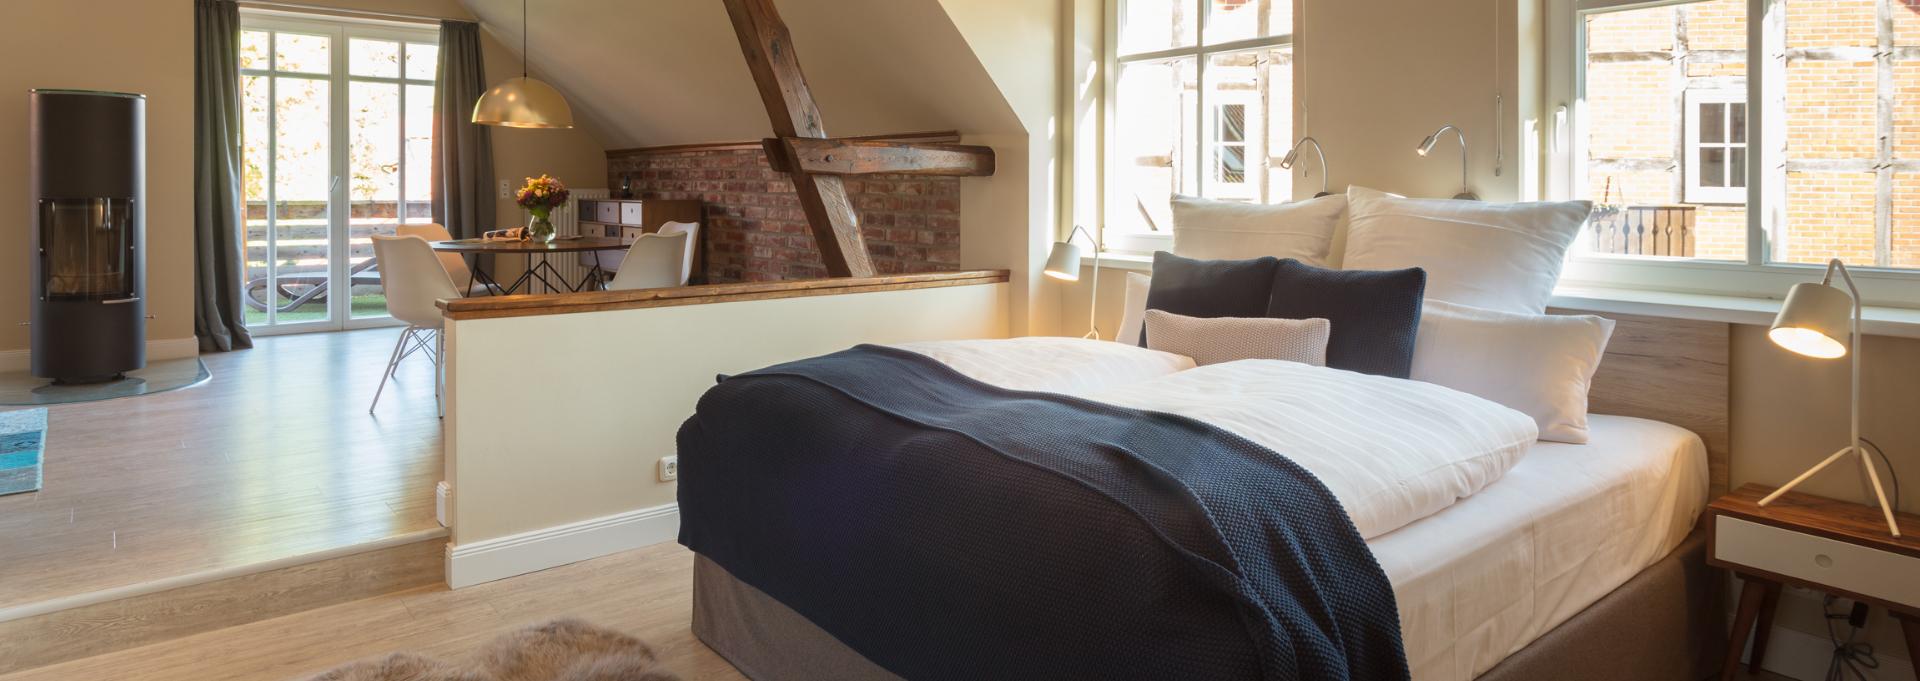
[1124,261]
[1879,321]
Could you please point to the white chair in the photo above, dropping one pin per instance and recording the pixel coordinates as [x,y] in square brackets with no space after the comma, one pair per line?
[692,230]
[653,261]
[455,263]
[414,280]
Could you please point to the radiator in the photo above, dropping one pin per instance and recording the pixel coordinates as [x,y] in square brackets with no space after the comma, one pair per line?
[566,222]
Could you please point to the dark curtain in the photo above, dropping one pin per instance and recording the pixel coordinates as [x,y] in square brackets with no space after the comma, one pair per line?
[218,233]
[462,151]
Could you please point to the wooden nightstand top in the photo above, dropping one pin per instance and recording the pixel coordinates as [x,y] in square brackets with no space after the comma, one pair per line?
[1822,517]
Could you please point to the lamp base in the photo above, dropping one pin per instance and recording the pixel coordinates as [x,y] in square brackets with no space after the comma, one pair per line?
[1892,525]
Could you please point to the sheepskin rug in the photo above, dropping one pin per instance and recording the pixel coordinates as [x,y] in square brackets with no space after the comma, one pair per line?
[565,649]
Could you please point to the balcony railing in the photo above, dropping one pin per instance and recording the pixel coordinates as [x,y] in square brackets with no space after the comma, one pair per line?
[1644,230]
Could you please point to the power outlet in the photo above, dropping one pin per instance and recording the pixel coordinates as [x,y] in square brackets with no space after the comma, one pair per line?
[669,468]
[506,190]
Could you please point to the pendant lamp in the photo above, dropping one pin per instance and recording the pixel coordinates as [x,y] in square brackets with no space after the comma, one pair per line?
[523,102]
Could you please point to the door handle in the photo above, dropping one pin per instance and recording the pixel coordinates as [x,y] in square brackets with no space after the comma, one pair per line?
[335,186]
[121,301]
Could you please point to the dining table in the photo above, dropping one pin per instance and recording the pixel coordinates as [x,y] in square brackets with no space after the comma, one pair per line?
[538,268]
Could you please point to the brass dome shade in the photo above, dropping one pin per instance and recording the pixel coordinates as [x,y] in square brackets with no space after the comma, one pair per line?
[523,103]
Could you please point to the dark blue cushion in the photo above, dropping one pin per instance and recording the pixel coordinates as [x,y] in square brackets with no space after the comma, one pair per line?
[1210,288]
[1375,314]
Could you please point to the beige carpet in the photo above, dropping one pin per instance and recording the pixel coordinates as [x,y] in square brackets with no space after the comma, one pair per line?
[566,649]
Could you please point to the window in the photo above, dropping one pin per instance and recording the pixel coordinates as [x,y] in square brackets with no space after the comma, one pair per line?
[1200,103]
[1716,158]
[337,122]
[1717,173]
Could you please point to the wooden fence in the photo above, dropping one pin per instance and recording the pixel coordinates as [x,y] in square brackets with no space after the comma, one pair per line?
[1644,230]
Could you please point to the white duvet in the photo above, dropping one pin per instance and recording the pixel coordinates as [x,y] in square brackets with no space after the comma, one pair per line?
[1392,451]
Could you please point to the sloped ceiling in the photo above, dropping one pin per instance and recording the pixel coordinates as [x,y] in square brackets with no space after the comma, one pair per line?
[642,73]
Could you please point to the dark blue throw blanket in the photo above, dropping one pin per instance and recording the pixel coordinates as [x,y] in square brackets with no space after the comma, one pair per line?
[948,529]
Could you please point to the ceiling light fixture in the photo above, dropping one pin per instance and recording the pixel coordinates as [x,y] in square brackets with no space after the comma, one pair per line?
[523,102]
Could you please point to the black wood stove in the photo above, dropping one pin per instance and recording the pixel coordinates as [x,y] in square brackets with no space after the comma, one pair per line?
[88,191]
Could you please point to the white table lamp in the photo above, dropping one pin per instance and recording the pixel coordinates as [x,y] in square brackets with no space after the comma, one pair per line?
[1064,264]
[1813,322]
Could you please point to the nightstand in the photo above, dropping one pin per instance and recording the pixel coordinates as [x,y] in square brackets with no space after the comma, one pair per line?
[1813,542]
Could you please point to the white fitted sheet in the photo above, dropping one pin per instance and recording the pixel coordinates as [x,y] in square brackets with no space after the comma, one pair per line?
[1483,578]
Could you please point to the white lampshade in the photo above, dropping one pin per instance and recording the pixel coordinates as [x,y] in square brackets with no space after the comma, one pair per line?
[1064,263]
[523,103]
[1814,321]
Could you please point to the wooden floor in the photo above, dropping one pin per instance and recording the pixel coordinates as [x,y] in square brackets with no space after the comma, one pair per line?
[276,456]
[647,593]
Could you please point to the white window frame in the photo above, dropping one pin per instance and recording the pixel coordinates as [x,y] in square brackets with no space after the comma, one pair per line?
[1566,178]
[1196,134]
[1695,193]
[1210,143]
[340,31]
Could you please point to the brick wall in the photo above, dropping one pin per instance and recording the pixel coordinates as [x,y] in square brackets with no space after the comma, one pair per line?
[756,230]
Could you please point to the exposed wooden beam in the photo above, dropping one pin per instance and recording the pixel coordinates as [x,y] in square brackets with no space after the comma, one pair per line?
[768,47]
[847,157]
[928,137]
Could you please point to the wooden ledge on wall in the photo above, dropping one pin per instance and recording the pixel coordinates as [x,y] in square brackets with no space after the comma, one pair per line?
[929,137]
[602,301]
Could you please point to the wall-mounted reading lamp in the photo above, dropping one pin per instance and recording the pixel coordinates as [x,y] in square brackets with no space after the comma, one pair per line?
[1294,155]
[1427,147]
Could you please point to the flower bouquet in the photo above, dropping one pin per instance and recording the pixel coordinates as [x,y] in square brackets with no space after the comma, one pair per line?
[540,197]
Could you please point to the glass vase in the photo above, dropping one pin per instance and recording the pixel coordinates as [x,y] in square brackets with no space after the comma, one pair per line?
[540,229]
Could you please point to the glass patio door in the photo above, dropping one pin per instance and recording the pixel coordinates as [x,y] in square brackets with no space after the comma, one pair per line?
[337,122]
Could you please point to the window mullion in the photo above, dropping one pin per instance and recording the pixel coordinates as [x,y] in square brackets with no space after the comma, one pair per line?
[1758,178]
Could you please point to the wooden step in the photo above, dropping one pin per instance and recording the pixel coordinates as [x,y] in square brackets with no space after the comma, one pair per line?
[76,627]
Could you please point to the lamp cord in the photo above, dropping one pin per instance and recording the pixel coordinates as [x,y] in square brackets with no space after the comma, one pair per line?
[525,56]
[1848,655]
[1892,476]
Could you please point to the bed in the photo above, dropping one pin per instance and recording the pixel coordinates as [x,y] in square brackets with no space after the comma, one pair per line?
[1502,558]
[1579,563]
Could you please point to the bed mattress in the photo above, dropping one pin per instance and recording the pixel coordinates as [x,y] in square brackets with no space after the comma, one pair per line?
[1485,577]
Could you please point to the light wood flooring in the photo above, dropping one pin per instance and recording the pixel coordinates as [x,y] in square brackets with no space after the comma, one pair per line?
[646,592]
[276,456]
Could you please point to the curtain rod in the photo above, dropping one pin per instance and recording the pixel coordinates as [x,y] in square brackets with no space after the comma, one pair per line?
[416,17]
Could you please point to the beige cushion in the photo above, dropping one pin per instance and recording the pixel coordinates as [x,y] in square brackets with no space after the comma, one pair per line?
[1231,339]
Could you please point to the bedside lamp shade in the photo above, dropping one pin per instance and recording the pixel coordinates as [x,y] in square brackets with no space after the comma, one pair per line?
[1815,321]
[1064,263]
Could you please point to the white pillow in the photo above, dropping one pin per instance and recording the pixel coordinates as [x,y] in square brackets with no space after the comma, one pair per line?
[1539,365]
[1497,256]
[1206,229]
[1134,316]
[1230,339]
[1052,364]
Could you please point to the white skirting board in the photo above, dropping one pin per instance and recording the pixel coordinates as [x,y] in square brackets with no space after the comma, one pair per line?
[178,348]
[1800,655]
[485,561]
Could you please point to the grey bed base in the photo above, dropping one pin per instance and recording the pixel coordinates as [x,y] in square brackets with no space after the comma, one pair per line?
[1667,623]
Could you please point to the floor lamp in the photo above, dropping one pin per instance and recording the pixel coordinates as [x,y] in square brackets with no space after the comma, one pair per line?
[1064,264]
[1811,323]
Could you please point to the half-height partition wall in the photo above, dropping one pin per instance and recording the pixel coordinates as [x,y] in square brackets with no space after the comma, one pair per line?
[560,408]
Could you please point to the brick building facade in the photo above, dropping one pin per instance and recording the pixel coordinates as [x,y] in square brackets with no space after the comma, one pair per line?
[1842,159]
[756,230]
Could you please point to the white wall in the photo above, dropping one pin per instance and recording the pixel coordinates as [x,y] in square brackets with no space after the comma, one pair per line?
[560,419]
